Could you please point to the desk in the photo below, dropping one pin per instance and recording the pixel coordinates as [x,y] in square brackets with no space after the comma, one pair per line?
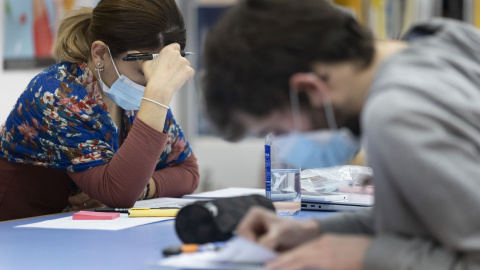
[133,248]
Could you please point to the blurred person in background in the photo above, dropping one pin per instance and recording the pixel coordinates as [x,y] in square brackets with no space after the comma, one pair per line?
[414,103]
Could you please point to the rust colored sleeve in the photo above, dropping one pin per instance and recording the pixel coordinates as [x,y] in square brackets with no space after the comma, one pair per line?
[179,180]
[120,182]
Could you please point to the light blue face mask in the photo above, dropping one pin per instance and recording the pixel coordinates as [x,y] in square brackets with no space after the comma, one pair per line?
[124,92]
[317,149]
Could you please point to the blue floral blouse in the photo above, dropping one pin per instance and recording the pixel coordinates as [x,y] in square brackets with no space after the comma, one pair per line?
[60,121]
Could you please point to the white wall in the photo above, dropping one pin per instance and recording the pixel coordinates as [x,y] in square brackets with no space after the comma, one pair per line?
[12,84]
[222,164]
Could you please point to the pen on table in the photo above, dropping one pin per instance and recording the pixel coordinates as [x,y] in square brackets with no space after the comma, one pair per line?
[147,56]
[108,209]
[190,248]
[125,210]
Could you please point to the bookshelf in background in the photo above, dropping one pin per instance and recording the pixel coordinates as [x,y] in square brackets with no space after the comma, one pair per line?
[392,18]
[471,11]
[476,13]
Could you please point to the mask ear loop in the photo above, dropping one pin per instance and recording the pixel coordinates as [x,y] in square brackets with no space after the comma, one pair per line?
[108,48]
[297,118]
[330,114]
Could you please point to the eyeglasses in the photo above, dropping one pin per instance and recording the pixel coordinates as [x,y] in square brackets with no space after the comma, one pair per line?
[147,56]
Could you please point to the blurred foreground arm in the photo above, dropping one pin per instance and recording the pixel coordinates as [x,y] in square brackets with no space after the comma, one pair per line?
[274,232]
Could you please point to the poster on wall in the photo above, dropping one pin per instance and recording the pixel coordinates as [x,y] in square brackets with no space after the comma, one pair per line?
[31,28]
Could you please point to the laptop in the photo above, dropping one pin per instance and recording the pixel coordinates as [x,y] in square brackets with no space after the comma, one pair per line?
[348,202]
[328,201]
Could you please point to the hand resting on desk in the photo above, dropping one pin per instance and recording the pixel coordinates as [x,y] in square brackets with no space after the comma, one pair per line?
[82,201]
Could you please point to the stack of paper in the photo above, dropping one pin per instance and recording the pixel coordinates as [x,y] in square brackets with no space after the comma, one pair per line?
[163,202]
[226,192]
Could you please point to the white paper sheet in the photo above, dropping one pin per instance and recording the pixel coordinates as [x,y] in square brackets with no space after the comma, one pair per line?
[163,202]
[123,222]
[226,192]
[239,253]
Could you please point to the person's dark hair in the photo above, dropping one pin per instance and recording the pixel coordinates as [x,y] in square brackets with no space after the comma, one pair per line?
[121,24]
[257,45]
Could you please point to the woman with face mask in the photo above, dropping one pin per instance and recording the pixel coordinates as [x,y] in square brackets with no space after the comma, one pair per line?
[95,129]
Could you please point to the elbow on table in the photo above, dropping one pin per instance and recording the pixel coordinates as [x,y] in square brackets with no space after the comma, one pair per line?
[125,201]
[191,175]
[195,181]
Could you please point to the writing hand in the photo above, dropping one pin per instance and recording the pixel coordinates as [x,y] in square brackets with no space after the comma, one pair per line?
[330,251]
[275,232]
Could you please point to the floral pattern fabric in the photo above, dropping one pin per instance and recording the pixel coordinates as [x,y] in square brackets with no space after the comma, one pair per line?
[60,121]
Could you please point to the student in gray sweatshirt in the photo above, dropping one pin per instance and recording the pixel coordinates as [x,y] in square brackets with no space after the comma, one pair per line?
[414,103]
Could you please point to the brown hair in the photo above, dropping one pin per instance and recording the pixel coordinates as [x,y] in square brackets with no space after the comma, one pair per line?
[121,24]
[257,45]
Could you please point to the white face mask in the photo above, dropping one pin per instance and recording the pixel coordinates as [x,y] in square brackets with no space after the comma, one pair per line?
[317,149]
[124,92]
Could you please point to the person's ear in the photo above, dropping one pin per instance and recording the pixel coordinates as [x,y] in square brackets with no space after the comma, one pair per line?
[311,85]
[99,52]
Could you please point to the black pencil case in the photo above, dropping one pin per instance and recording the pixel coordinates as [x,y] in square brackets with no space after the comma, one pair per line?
[215,220]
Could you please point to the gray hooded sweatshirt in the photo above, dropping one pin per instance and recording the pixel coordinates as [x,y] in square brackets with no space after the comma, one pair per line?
[421,128]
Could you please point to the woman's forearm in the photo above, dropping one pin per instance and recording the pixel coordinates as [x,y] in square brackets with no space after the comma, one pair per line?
[178,180]
[120,182]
